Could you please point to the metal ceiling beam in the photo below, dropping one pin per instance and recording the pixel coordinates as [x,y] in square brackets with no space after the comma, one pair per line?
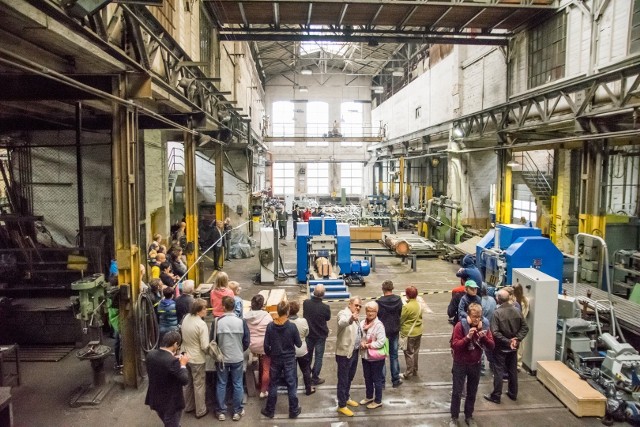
[470,40]
[441,18]
[343,12]
[522,4]
[309,14]
[471,20]
[242,14]
[373,20]
[24,87]
[408,16]
[276,15]
[372,33]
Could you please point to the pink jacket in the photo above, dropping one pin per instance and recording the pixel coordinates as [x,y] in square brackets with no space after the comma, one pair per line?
[257,321]
[216,300]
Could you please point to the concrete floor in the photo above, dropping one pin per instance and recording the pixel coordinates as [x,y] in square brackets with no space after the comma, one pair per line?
[42,399]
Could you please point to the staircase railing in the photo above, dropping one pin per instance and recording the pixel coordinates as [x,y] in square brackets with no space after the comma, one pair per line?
[536,177]
[176,160]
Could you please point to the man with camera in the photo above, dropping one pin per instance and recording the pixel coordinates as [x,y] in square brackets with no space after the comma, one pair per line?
[470,336]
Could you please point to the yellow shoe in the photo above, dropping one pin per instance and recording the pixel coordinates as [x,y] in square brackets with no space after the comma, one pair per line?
[346,411]
[353,403]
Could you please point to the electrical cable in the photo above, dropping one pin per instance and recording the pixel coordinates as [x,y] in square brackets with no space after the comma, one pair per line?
[147,323]
[208,249]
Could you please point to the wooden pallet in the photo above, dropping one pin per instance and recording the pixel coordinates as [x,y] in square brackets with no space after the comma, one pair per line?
[575,393]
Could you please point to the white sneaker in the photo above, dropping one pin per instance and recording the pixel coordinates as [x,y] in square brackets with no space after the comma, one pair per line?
[264,394]
[453,422]
[236,417]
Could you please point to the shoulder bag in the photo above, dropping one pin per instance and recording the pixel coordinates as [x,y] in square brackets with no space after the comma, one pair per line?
[402,341]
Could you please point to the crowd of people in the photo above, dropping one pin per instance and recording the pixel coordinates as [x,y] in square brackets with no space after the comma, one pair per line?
[488,324]
[484,327]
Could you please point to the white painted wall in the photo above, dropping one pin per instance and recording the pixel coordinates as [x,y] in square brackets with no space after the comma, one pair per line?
[434,92]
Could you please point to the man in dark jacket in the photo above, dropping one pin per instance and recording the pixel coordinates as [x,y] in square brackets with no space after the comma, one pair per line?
[317,314]
[295,217]
[185,301]
[280,340]
[468,270]
[389,310]
[167,375]
[509,329]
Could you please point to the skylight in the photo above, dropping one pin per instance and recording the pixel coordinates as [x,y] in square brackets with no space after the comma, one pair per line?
[334,48]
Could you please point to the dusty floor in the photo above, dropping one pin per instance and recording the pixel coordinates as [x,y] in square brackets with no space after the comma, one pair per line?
[42,399]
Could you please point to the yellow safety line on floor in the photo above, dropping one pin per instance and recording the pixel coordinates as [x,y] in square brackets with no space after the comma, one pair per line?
[375,298]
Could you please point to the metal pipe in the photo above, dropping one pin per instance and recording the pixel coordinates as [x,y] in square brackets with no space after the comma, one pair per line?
[604,260]
[35,68]
[80,181]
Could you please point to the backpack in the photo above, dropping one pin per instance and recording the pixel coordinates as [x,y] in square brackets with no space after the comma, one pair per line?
[214,350]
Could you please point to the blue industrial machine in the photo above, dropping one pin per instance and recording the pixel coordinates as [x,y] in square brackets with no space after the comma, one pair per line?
[518,246]
[324,253]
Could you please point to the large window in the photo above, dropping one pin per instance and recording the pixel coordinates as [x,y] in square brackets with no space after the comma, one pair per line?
[547,50]
[634,42]
[282,120]
[317,178]
[317,121]
[284,178]
[351,119]
[351,177]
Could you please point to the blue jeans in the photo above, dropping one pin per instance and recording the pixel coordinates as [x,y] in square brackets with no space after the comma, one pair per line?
[373,378]
[285,367]
[347,367]
[235,371]
[316,345]
[394,363]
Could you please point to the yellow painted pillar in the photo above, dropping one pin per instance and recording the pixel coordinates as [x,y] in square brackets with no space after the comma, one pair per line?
[218,157]
[592,217]
[190,206]
[505,190]
[125,226]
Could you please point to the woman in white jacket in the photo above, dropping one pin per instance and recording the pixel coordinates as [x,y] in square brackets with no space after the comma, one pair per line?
[373,337]
[257,320]
[302,353]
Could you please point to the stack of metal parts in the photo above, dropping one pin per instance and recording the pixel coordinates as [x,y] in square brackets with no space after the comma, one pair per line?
[590,266]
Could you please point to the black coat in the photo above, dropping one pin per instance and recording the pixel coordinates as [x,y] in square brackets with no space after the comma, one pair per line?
[166,379]
[317,314]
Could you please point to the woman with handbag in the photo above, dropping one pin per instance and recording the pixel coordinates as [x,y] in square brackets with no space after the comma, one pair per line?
[411,331]
[374,349]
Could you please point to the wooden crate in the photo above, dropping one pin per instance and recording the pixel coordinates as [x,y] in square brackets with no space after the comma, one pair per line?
[576,394]
[366,233]
[272,298]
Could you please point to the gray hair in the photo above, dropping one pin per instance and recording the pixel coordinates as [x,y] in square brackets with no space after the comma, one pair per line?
[187,286]
[354,299]
[372,305]
[502,296]
[319,290]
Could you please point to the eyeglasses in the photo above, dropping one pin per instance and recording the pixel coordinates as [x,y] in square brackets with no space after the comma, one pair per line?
[357,305]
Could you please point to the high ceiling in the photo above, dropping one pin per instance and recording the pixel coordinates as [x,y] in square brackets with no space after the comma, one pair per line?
[360,36]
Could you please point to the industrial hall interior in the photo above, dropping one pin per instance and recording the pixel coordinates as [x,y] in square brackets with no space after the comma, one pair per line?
[319,212]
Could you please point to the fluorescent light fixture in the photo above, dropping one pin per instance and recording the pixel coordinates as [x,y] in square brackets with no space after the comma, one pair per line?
[306,72]
[512,164]
[398,72]
[303,89]
[377,89]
